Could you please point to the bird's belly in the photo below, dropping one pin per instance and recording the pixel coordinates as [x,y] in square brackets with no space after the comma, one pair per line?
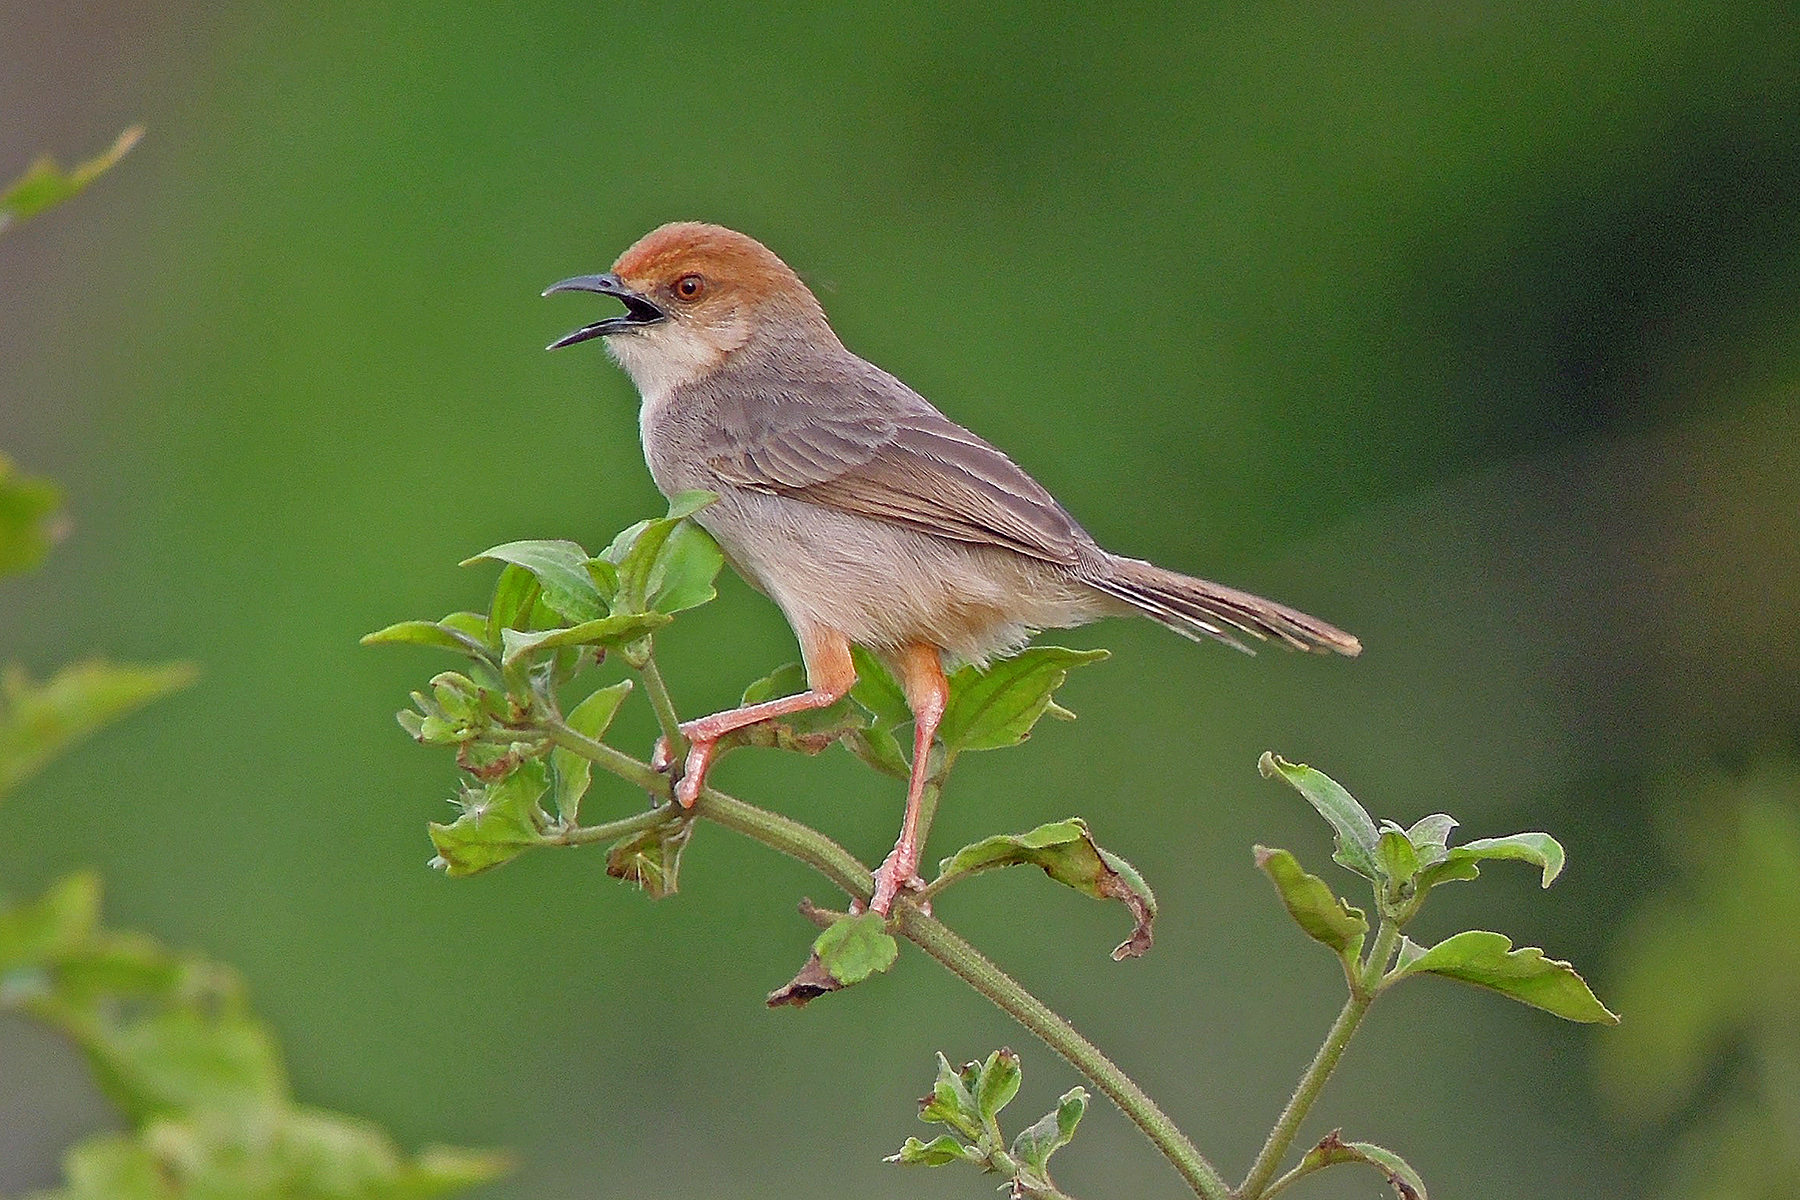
[885,586]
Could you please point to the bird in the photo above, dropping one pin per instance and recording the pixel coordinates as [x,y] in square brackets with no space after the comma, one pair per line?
[870,518]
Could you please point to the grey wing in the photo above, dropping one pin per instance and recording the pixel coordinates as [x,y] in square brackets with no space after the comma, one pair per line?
[906,463]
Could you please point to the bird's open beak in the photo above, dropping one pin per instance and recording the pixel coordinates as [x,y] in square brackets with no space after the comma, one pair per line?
[639,311]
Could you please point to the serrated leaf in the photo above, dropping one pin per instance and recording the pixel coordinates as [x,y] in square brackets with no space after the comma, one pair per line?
[602,631]
[951,1103]
[46,184]
[1321,914]
[29,521]
[1539,849]
[1051,1132]
[848,951]
[39,720]
[997,707]
[573,772]
[1333,1150]
[499,822]
[1068,854]
[1488,960]
[1355,829]
[561,571]
[856,947]
[935,1153]
[1000,1079]
[35,933]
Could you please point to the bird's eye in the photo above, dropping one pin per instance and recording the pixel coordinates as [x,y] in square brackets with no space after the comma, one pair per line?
[690,287]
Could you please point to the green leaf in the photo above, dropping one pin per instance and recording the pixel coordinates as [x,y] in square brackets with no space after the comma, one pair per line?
[950,1102]
[1398,860]
[121,966]
[53,925]
[997,707]
[603,631]
[1333,1150]
[182,1058]
[1000,1079]
[437,634]
[1068,854]
[516,593]
[880,749]
[685,570]
[1429,837]
[561,571]
[1488,960]
[1355,829]
[572,772]
[1319,913]
[686,504]
[1051,1132]
[1539,849]
[935,1153]
[29,524]
[267,1153]
[853,948]
[667,564]
[789,680]
[113,1166]
[474,625]
[46,184]
[38,721]
[876,691]
[498,822]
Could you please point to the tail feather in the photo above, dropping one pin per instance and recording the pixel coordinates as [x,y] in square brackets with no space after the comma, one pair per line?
[1197,608]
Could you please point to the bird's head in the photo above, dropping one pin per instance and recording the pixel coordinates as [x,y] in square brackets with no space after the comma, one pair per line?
[694,294]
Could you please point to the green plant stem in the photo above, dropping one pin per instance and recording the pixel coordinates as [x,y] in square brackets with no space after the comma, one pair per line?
[610,831]
[963,960]
[771,829]
[1296,1174]
[1306,1092]
[657,689]
[973,968]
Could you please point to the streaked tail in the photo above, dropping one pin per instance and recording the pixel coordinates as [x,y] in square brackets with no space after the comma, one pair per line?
[1197,609]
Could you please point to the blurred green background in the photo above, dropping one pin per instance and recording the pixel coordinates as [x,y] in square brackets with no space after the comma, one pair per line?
[1471,328]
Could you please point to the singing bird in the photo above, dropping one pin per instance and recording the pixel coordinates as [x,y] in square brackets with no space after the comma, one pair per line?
[867,515]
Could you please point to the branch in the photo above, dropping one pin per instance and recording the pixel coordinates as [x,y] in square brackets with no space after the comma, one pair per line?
[930,935]
[968,964]
[1306,1092]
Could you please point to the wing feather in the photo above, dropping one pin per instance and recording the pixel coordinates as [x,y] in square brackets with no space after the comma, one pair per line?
[905,463]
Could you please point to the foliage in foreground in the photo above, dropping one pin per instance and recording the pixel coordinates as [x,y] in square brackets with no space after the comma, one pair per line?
[527,726]
[197,1078]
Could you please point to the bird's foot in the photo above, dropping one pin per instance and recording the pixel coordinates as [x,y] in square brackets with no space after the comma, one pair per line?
[692,779]
[896,874]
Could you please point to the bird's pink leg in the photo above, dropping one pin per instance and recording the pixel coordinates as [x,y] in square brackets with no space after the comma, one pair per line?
[830,674]
[921,671]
